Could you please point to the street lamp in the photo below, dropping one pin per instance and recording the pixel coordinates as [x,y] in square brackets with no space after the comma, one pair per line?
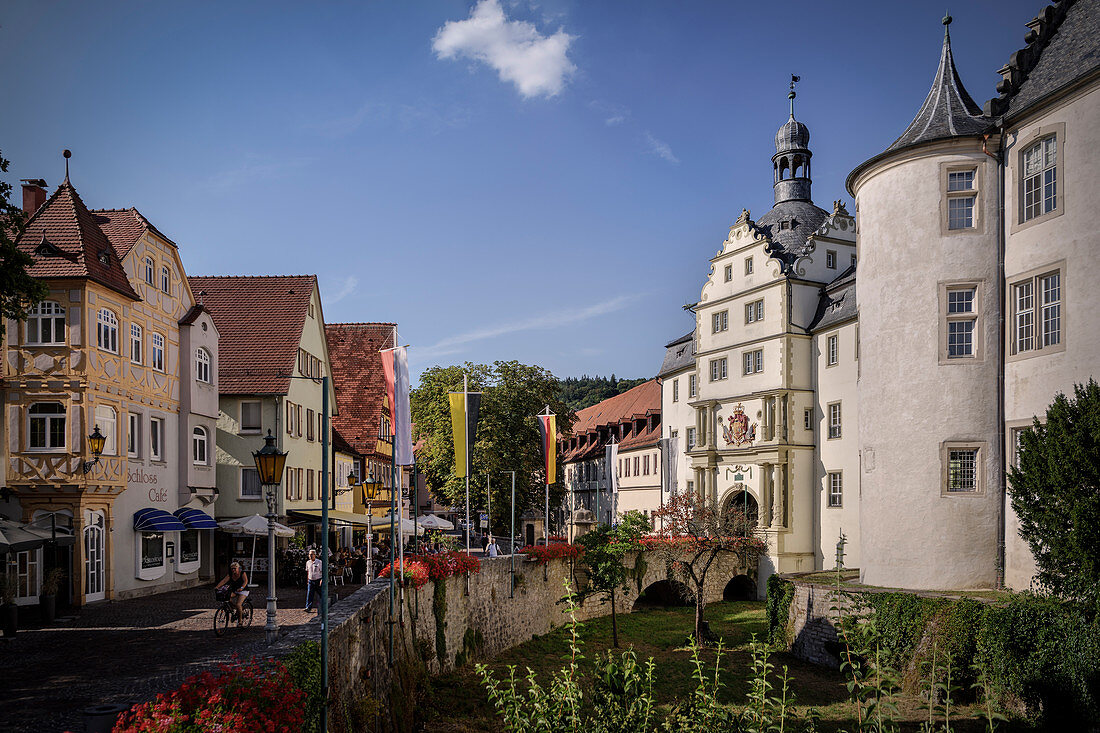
[96,441]
[370,493]
[270,462]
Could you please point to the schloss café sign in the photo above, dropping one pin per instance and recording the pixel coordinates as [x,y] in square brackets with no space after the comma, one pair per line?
[140,478]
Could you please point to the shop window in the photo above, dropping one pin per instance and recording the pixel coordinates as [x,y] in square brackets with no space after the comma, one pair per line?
[151,550]
[189,547]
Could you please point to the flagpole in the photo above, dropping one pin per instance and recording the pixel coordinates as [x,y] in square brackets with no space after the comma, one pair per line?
[466,437]
[546,515]
[488,507]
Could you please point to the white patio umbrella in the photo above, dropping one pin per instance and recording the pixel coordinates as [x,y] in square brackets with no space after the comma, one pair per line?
[431,521]
[382,524]
[16,537]
[255,525]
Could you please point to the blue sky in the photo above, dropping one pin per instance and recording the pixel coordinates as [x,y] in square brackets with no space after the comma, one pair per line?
[542,181]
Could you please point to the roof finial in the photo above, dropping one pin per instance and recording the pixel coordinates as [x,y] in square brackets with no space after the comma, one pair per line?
[68,154]
[791,96]
[946,22]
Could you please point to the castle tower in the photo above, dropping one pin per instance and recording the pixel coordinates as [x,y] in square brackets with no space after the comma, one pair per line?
[929,312]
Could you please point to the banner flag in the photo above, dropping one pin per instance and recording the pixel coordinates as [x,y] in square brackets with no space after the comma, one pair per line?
[668,463]
[465,407]
[612,456]
[548,432]
[395,367]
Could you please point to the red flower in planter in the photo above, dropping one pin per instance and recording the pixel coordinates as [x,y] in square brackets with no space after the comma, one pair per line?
[544,553]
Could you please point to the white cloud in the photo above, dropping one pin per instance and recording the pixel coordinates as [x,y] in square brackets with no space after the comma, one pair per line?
[347,287]
[537,64]
[347,124]
[660,148]
[555,319]
[255,170]
[613,114]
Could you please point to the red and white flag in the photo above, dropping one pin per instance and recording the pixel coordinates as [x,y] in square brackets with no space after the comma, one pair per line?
[395,366]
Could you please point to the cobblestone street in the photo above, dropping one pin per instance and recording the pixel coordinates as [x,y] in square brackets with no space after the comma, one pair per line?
[126,651]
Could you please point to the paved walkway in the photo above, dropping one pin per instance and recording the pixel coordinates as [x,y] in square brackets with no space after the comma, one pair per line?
[126,651]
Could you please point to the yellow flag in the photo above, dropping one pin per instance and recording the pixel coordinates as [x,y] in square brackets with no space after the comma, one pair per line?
[458,425]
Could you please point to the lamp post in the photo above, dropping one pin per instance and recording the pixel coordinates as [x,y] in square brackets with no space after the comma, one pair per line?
[270,462]
[370,493]
[96,441]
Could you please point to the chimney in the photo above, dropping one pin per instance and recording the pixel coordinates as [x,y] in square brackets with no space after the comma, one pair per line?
[34,194]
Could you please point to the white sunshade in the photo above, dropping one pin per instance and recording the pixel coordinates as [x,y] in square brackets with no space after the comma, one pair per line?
[254,525]
[431,521]
[382,524]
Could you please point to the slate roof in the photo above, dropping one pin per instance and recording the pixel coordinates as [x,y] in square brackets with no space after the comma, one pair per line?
[260,321]
[838,301]
[679,354]
[124,227]
[66,241]
[357,375]
[638,402]
[1063,48]
[948,111]
[804,216]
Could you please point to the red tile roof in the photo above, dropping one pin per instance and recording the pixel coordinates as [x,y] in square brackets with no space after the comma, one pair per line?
[634,404]
[124,228]
[357,376]
[66,242]
[260,321]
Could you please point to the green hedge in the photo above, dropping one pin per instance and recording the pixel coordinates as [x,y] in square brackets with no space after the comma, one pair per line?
[1041,653]
[780,595]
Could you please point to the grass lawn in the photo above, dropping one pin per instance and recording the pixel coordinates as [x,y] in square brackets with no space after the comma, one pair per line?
[456,702]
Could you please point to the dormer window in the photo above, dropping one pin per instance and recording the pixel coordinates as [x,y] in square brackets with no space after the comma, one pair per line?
[104,257]
[784,225]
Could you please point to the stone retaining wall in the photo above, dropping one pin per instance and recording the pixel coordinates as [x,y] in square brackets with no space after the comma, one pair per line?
[440,629]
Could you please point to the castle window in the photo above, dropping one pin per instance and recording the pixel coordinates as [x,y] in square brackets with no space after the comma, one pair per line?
[784,225]
[753,362]
[836,489]
[1036,303]
[720,321]
[675,390]
[960,305]
[959,185]
[830,259]
[693,385]
[748,265]
[46,324]
[834,421]
[754,311]
[717,369]
[808,419]
[832,350]
[1040,178]
[729,272]
[962,468]
[690,440]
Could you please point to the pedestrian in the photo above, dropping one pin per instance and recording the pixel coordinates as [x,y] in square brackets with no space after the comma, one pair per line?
[314,578]
[491,549]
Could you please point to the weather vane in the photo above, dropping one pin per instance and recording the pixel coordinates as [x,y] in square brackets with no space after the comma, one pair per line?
[791,96]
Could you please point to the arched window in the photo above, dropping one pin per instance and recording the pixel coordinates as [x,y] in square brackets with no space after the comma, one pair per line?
[198,446]
[157,352]
[107,422]
[149,270]
[165,279]
[135,343]
[46,429]
[107,331]
[46,323]
[202,365]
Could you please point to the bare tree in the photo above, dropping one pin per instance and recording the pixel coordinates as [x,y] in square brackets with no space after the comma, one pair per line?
[694,533]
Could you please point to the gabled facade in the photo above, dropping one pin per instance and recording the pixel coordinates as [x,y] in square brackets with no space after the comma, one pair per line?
[109,349]
[633,421]
[274,354]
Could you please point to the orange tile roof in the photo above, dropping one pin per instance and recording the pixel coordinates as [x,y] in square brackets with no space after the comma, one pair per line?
[260,321]
[66,242]
[357,375]
[634,404]
[124,228]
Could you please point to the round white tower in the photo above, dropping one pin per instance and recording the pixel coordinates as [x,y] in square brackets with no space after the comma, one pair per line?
[929,349]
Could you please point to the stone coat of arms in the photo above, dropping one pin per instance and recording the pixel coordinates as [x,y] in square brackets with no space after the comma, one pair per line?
[739,431]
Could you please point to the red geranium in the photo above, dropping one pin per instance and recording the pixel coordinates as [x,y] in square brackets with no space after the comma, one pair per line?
[413,572]
[259,695]
[446,564]
[544,553]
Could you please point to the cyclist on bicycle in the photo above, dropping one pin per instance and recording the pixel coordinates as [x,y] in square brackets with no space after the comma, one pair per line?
[237,584]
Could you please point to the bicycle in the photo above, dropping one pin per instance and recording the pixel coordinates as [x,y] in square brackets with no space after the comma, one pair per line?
[225,612]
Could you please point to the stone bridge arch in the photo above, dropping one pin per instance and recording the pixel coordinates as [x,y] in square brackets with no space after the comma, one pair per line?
[648,572]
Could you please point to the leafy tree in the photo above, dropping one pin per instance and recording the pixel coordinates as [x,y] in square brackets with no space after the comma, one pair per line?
[605,547]
[585,391]
[694,533]
[18,290]
[1056,494]
[507,435]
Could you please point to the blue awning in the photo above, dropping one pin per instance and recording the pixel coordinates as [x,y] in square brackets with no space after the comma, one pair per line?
[195,518]
[156,520]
